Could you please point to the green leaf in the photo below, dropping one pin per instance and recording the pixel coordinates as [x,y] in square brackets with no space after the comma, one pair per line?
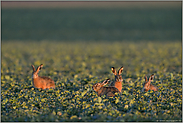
[73,117]
[117,100]
[7,77]
[84,92]
[99,99]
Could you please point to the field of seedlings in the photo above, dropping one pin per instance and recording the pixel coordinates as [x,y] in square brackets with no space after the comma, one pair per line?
[76,66]
[77,47]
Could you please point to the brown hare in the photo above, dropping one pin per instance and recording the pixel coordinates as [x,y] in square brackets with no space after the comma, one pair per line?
[42,82]
[148,85]
[118,78]
[108,91]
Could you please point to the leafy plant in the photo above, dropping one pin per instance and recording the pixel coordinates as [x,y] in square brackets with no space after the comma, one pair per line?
[76,66]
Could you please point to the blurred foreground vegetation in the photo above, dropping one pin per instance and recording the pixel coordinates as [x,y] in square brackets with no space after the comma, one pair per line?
[75,67]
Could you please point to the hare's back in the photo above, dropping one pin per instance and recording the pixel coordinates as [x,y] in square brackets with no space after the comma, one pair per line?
[108,91]
[48,81]
[111,91]
[152,87]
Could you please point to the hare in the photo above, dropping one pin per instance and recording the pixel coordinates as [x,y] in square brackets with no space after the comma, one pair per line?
[118,78]
[108,91]
[42,82]
[148,85]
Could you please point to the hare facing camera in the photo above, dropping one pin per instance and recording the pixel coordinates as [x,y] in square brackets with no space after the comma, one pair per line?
[118,78]
[148,85]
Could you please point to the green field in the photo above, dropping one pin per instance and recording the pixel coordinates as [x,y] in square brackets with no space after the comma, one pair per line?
[89,24]
[78,47]
[76,66]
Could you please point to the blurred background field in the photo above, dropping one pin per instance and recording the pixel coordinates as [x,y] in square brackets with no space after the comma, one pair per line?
[115,22]
[78,43]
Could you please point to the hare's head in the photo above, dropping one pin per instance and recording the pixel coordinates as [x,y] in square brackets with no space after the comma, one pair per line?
[35,71]
[118,76]
[148,82]
[96,87]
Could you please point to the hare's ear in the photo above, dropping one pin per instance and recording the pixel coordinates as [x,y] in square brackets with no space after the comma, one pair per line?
[114,70]
[33,68]
[151,77]
[145,78]
[105,82]
[39,68]
[120,70]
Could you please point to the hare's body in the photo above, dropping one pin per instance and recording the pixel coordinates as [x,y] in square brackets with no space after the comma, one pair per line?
[118,85]
[108,91]
[118,79]
[151,87]
[42,82]
[148,85]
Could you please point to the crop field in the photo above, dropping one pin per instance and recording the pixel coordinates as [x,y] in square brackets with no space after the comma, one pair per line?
[76,66]
[160,24]
[77,47]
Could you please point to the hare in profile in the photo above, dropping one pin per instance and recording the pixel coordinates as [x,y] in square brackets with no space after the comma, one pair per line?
[148,85]
[42,82]
[118,78]
[108,91]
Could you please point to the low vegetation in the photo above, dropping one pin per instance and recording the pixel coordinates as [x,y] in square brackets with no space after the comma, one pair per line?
[75,67]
